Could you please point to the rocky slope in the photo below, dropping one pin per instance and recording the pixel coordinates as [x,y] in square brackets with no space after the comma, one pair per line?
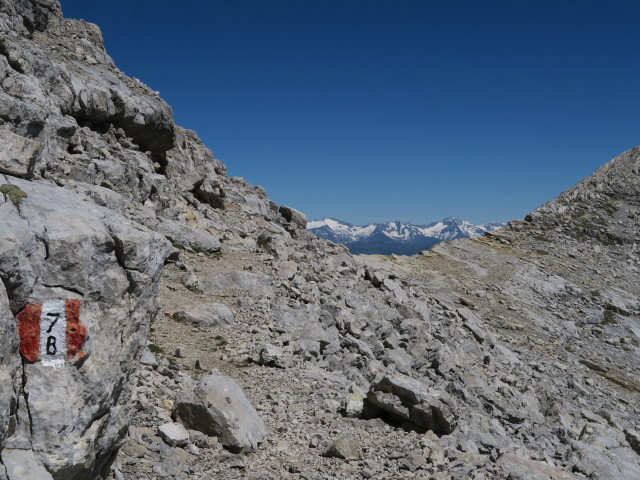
[399,238]
[274,353]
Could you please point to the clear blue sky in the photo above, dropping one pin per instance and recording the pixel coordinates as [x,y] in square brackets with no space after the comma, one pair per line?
[369,110]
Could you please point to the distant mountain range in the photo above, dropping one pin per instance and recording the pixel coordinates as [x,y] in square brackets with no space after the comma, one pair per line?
[401,238]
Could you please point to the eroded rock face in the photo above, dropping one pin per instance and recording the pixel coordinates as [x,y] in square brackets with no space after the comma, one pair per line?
[54,245]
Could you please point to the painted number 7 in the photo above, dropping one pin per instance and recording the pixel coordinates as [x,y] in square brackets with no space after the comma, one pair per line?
[57,315]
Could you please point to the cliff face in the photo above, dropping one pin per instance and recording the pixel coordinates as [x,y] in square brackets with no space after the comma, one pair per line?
[487,358]
[81,147]
[76,136]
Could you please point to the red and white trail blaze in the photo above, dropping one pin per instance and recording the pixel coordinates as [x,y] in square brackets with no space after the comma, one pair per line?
[51,331]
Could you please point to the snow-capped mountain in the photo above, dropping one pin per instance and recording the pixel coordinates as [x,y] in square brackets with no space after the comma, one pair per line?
[401,238]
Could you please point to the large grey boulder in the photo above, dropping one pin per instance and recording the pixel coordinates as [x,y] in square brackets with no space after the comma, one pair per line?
[217,406]
[210,193]
[70,409]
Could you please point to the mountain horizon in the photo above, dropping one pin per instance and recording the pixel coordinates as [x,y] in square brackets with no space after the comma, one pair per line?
[396,237]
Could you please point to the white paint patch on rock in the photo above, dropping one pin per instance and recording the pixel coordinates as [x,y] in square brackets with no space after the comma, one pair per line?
[53,333]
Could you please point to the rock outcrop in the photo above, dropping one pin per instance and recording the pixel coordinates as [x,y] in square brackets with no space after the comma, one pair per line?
[513,355]
[69,408]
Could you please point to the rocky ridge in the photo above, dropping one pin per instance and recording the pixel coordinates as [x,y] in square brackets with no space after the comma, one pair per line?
[514,355]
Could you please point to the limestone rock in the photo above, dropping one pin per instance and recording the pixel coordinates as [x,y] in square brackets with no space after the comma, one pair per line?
[409,400]
[211,193]
[255,285]
[174,434]
[58,246]
[353,405]
[633,437]
[553,329]
[22,464]
[217,406]
[183,236]
[292,215]
[206,315]
[344,447]
[514,466]
[17,154]
[271,356]
[10,365]
[148,358]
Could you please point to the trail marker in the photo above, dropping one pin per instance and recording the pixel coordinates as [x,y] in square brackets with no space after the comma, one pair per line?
[51,331]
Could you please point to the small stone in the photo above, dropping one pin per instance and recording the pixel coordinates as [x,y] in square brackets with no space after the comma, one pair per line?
[174,434]
[345,447]
[314,441]
[148,359]
[413,461]
[271,355]
[436,455]
[353,405]
[233,461]
[192,449]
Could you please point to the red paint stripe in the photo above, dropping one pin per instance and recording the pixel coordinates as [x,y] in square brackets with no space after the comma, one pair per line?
[29,329]
[76,333]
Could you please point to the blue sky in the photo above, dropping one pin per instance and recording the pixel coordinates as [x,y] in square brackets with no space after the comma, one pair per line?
[369,110]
